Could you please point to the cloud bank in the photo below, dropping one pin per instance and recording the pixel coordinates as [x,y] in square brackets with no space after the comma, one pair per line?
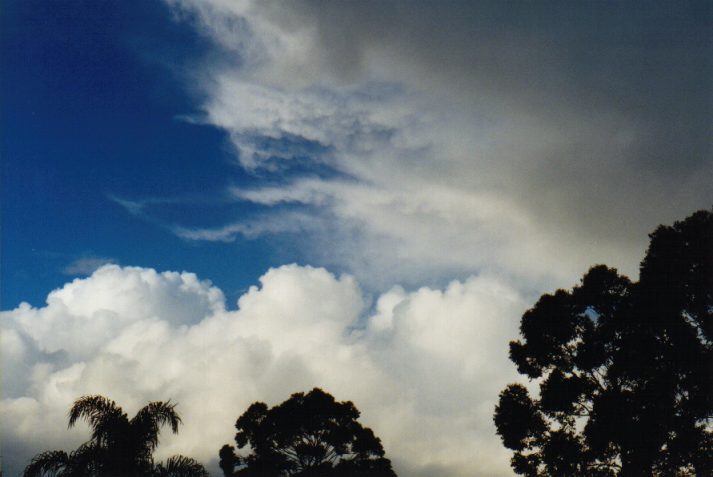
[462,137]
[423,366]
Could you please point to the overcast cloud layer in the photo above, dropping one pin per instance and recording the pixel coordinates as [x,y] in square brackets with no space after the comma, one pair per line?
[424,367]
[464,136]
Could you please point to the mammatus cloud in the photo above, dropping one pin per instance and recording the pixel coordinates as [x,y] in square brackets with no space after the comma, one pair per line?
[467,136]
[423,366]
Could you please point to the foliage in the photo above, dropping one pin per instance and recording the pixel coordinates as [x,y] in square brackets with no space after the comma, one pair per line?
[180,466]
[625,369]
[119,446]
[309,435]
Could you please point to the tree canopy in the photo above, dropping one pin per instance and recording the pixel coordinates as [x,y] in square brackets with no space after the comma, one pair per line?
[308,435]
[624,369]
[119,446]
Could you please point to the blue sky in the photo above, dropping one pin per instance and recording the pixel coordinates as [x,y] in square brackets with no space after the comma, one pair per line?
[92,100]
[104,102]
[362,196]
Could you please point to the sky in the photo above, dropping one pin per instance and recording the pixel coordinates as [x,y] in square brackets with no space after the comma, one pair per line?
[224,201]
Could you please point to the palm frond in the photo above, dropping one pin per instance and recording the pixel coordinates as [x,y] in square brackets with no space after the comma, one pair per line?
[180,466]
[103,416]
[118,445]
[94,409]
[148,421]
[48,463]
[85,460]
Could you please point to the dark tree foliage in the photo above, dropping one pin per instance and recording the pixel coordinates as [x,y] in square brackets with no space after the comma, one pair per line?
[625,369]
[309,435]
[119,446]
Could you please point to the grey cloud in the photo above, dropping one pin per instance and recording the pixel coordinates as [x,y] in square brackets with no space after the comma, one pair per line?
[590,122]
[642,72]
[526,53]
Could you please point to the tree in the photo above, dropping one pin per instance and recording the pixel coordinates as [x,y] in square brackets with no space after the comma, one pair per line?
[625,369]
[309,435]
[119,446]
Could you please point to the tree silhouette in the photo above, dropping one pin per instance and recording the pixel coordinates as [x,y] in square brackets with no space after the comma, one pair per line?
[625,369]
[119,446]
[309,435]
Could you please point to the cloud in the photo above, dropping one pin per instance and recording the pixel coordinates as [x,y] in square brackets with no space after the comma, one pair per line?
[134,207]
[86,265]
[508,135]
[423,366]
[282,223]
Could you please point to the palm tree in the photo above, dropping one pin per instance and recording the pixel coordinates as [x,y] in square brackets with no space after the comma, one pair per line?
[119,446]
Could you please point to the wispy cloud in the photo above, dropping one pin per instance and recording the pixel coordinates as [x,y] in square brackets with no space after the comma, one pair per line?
[142,206]
[552,138]
[87,265]
[285,222]
[134,207]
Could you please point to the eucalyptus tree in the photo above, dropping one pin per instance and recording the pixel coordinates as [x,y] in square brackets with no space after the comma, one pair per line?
[308,435]
[624,369]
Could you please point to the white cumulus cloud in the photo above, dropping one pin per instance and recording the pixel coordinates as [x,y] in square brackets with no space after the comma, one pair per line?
[423,366]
